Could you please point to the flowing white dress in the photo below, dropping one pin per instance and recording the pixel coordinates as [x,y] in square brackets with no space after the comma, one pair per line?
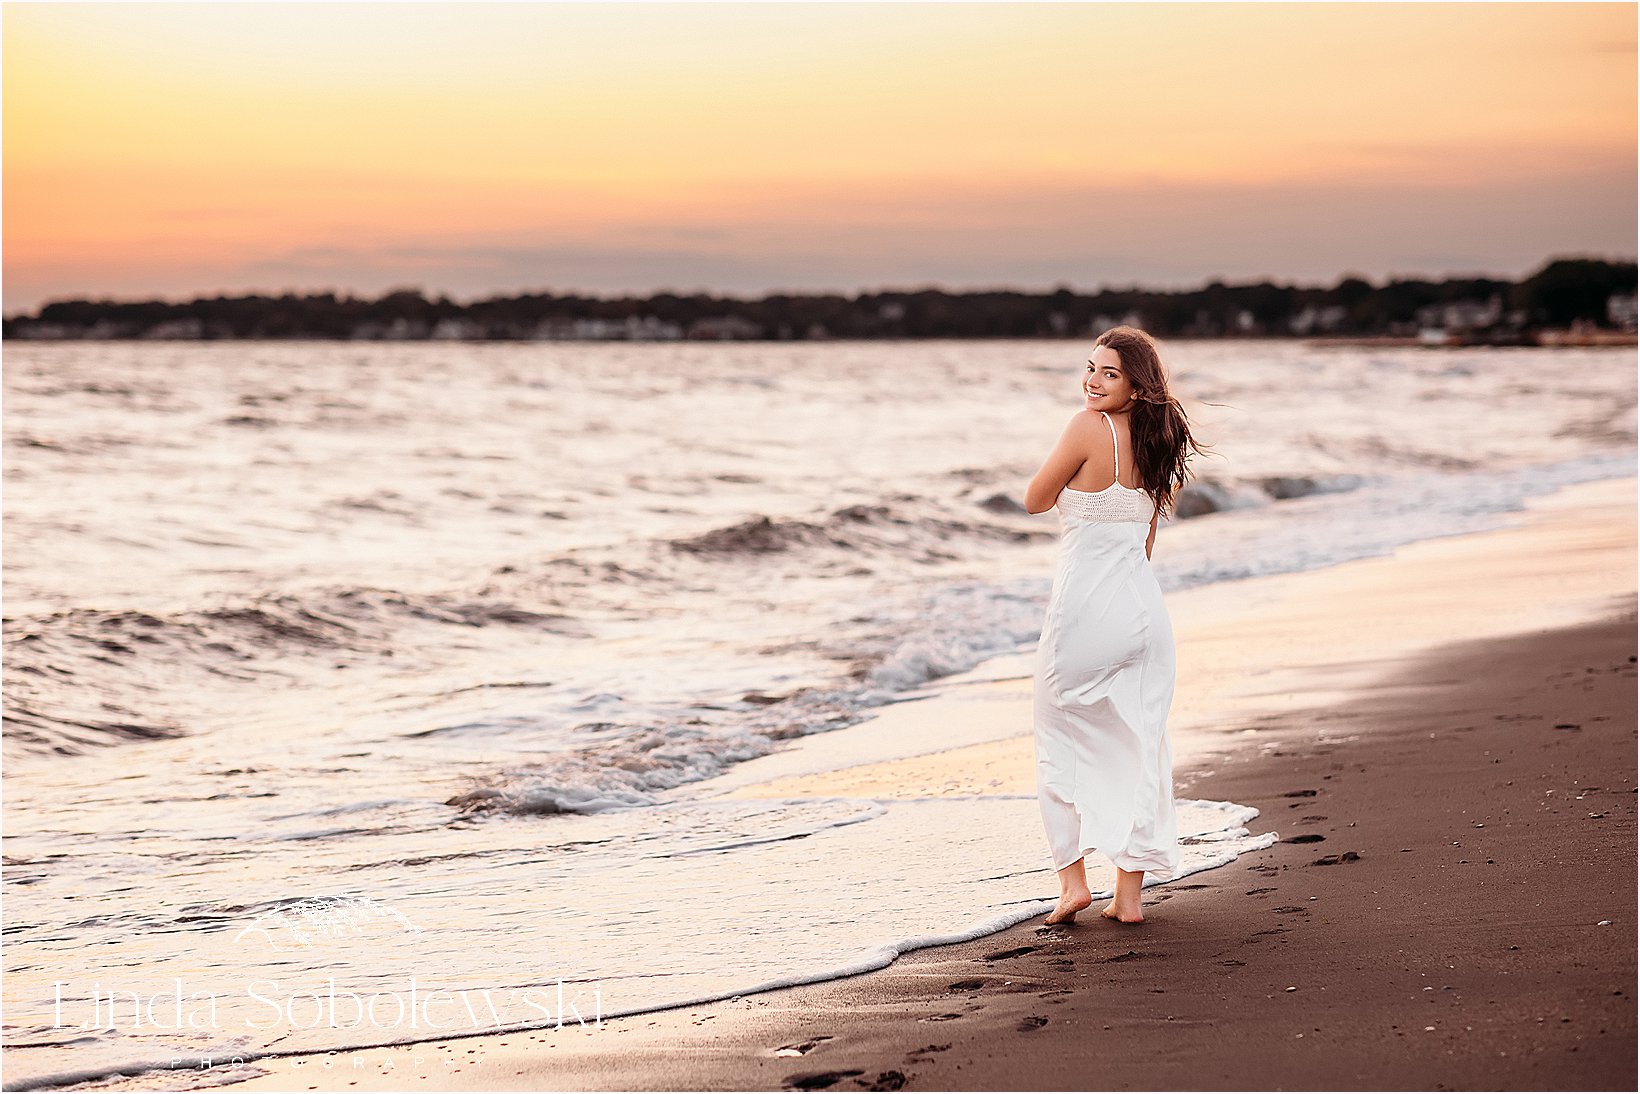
[1104,685]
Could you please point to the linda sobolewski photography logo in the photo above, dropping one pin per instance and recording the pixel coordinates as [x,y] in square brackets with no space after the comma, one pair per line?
[310,922]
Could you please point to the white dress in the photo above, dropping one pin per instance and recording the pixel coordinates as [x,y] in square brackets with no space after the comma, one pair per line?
[1104,684]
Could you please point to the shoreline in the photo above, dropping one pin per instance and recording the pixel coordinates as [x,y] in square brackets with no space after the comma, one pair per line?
[1198,996]
[1352,739]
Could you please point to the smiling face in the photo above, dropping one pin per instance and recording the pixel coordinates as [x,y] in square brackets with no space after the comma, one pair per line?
[1105,382]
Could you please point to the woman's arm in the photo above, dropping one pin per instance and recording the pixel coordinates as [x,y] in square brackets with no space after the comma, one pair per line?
[1062,463]
[1151,539]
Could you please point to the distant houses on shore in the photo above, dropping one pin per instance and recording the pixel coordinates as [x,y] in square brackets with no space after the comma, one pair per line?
[1568,301]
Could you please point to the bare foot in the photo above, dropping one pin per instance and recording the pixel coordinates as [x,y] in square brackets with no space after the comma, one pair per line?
[1069,904]
[1126,915]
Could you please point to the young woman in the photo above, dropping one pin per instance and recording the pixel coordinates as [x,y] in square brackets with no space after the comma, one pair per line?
[1105,665]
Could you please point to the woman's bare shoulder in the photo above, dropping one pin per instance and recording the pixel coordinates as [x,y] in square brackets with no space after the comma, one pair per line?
[1085,421]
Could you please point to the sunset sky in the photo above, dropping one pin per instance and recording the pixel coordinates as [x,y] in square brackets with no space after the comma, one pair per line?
[171,150]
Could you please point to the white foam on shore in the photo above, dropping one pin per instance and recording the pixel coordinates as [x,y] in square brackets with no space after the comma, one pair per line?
[739,915]
[1203,849]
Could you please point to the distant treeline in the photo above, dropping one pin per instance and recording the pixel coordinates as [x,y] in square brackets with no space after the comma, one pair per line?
[1564,293]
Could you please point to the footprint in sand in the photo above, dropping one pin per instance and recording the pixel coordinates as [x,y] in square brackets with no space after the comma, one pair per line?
[967,985]
[939,1018]
[1019,952]
[818,1080]
[1032,1023]
[1309,837]
[802,1048]
[1259,892]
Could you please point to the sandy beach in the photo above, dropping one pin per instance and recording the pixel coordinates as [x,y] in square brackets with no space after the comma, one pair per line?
[1444,741]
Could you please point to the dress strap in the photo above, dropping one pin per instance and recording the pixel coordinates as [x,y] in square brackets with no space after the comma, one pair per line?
[1115,449]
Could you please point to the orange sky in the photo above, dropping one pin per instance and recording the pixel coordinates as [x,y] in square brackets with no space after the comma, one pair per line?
[469,148]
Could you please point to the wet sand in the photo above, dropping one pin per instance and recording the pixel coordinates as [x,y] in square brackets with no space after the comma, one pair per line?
[1451,904]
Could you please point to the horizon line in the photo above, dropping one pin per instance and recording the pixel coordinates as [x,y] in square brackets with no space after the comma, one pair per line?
[632,294]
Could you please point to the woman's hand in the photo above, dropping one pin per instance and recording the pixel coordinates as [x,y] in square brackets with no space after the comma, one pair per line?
[1063,462]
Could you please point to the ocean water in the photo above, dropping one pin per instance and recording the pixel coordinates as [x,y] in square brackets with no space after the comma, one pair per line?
[340,670]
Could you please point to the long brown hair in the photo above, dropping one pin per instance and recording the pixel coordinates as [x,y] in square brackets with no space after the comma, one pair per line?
[1160,431]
